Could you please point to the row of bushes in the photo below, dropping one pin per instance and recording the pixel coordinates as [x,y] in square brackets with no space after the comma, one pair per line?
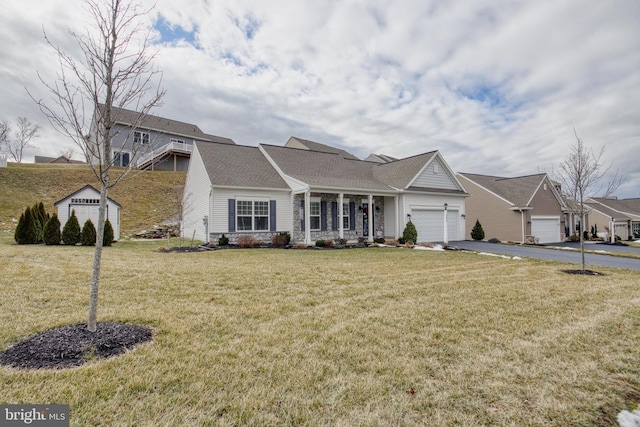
[37,226]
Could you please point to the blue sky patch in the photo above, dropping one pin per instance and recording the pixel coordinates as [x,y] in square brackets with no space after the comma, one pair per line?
[170,33]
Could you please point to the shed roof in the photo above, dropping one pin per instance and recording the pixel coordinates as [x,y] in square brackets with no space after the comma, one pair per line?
[88,186]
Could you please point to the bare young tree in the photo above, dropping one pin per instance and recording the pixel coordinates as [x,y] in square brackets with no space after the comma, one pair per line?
[115,71]
[25,133]
[580,176]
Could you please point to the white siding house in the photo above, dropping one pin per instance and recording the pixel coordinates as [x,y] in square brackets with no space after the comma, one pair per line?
[86,202]
[315,192]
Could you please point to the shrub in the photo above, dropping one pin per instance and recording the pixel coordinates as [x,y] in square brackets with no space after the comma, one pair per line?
[40,217]
[410,234]
[51,232]
[88,234]
[493,240]
[280,240]
[71,231]
[107,235]
[223,240]
[328,243]
[477,233]
[246,241]
[379,240]
[341,241]
[26,232]
[320,243]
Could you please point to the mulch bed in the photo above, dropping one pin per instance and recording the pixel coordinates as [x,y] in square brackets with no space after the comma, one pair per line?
[584,272]
[73,345]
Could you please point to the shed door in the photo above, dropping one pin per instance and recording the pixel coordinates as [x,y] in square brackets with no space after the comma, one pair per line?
[546,229]
[430,225]
[85,212]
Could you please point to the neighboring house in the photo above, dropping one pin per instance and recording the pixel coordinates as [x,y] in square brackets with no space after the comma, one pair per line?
[380,158]
[305,144]
[623,213]
[58,160]
[156,143]
[85,202]
[521,209]
[328,194]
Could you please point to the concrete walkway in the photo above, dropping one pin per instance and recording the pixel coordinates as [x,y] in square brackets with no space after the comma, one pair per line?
[548,253]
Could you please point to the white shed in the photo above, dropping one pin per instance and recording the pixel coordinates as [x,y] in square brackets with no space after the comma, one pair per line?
[86,202]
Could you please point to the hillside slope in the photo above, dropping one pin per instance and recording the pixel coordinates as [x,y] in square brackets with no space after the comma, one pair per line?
[148,198]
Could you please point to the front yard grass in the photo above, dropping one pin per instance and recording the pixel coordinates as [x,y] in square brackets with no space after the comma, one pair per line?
[359,337]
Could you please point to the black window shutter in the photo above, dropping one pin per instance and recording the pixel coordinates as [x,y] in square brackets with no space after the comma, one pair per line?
[334,215]
[232,215]
[302,215]
[272,215]
[323,215]
[352,215]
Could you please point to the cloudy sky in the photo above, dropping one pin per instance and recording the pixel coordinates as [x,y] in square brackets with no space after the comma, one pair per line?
[496,86]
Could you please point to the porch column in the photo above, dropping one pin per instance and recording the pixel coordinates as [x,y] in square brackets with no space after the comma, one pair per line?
[340,220]
[307,218]
[371,215]
[398,217]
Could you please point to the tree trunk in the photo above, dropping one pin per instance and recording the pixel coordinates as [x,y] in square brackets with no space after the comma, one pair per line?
[97,258]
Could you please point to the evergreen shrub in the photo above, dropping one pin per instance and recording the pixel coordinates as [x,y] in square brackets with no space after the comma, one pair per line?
[88,234]
[477,233]
[410,234]
[51,232]
[107,239]
[71,232]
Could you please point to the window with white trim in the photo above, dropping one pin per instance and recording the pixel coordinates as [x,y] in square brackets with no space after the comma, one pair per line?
[252,215]
[314,214]
[345,215]
[141,137]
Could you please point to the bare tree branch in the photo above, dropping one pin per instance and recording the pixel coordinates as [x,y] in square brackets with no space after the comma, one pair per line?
[115,71]
[580,176]
[25,133]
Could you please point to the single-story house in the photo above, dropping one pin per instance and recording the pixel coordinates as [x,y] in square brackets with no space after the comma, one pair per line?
[315,192]
[525,209]
[86,202]
[57,160]
[153,142]
[624,214]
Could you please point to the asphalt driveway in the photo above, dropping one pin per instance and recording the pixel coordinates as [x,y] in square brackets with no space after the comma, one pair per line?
[562,255]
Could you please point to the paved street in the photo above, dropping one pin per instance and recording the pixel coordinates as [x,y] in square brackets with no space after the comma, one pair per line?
[557,254]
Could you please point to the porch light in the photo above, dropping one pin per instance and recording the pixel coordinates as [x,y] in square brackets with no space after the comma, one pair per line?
[446,205]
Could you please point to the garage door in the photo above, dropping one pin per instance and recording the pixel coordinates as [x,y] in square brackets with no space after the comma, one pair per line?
[546,230]
[85,212]
[430,225]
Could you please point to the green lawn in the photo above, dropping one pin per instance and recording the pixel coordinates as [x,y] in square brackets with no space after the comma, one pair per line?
[358,337]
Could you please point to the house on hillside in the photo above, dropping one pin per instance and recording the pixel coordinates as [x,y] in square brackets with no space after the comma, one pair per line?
[317,193]
[156,142]
[623,214]
[57,160]
[523,209]
[86,202]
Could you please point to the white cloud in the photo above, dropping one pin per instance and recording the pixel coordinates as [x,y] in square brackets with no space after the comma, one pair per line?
[496,86]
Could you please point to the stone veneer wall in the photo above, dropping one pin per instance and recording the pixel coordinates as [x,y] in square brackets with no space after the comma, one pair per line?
[329,234]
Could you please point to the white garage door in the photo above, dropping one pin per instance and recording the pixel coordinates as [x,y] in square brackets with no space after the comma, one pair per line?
[430,225]
[546,230]
[85,212]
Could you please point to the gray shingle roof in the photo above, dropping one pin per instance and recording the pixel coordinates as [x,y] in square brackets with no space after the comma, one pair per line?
[322,169]
[316,146]
[628,206]
[238,166]
[399,173]
[163,125]
[518,191]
